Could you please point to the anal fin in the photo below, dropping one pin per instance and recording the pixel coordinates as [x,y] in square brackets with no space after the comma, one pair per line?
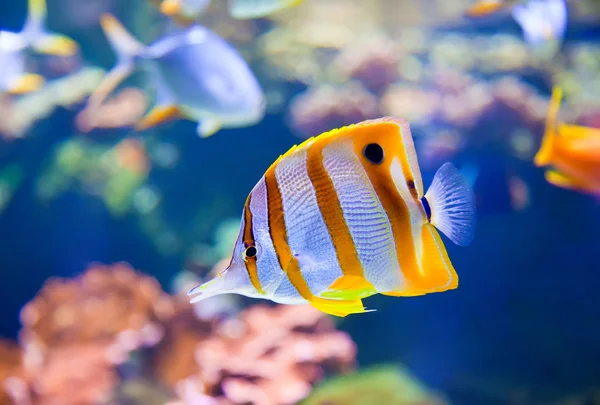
[339,308]
[349,287]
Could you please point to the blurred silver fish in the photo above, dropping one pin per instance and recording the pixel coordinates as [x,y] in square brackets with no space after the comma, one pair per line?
[543,21]
[197,75]
[14,77]
[239,9]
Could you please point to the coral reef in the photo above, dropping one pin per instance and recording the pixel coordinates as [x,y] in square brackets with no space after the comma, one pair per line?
[114,334]
[326,107]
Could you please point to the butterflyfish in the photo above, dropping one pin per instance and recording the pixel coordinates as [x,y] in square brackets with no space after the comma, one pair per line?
[571,151]
[238,9]
[14,76]
[344,216]
[196,74]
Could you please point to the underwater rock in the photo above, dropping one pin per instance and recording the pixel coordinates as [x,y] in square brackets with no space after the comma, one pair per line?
[381,385]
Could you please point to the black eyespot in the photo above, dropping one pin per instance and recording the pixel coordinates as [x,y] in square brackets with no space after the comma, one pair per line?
[411,185]
[374,153]
[251,251]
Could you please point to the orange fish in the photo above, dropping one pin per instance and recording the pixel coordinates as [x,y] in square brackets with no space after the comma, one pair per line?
[572,151]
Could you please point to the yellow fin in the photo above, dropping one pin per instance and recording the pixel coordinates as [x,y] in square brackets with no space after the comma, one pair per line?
[544,155]
[158,115]
[349,287]
[437,273]
[339,308]
[577,131]
[56,45]
[484,8]
[404,293]
[27,83]
[564,181]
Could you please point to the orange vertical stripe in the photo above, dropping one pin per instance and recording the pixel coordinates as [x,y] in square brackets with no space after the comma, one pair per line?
[278,233]
[289,263]
[330,208]
[248,240]
[386,134]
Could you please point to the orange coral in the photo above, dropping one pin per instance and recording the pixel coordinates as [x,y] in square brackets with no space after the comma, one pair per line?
[10,360]
[79,337]
[112,305]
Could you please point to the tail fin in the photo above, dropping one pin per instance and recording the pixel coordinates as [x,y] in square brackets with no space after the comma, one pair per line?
[39,39]
[544,155]
[452,205]
[126,47]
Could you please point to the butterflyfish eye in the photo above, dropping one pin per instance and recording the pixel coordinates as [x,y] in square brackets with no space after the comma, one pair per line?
[374,153]
[251,251]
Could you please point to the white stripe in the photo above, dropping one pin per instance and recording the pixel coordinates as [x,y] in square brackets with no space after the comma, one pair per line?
[269,271]
[367,221]
[417,219]
[308,236]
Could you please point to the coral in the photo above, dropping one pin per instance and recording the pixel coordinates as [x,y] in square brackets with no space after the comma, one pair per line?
[381,385]
[320,109]
[413,103]
[269,355]
[10,365]
[118,338]
[373,61]
[111,305]
[124,109]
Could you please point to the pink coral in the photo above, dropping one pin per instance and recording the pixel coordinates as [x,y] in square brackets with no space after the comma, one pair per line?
[272,355]
[79,333]
[374,62]
[10,365]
